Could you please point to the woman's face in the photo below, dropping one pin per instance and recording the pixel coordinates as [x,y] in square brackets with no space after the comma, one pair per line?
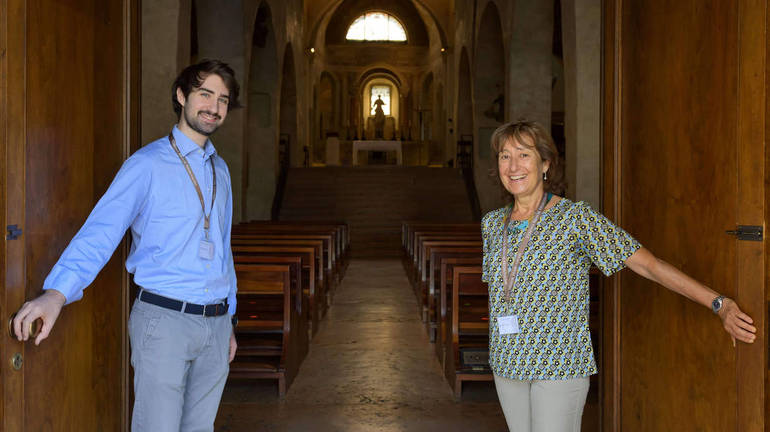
[521,168]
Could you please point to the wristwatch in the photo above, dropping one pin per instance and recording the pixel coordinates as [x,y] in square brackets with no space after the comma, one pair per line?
[234,320]
[717,303]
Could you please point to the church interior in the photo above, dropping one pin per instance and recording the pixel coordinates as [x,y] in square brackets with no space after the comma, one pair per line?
[360,166]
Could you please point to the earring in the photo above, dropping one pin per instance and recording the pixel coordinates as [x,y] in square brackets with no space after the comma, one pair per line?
[545,175]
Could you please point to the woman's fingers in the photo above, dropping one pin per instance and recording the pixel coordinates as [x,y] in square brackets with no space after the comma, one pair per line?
[746,326]
[740,329]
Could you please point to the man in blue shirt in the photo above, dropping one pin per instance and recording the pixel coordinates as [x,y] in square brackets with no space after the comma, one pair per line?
[175,196]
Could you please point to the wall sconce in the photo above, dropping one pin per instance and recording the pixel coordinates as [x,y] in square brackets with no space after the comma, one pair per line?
[312,50]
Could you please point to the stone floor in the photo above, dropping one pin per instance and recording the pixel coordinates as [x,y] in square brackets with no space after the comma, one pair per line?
[371,367]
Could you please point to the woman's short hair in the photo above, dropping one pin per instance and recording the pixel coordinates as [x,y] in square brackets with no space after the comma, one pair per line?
[194,75]
[528,132]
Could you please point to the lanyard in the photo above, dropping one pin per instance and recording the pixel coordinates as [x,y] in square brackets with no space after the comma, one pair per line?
[510,279]
[206,218]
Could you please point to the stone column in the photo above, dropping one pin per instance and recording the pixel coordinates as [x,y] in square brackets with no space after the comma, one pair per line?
[165,52]
[220,36]
[530,70]
[581,35]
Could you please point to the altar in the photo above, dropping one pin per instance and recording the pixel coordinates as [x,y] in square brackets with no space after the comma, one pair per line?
[376,145]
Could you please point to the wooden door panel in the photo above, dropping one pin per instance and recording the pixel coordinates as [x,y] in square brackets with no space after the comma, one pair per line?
[686,150]
[74,85]
[678,114]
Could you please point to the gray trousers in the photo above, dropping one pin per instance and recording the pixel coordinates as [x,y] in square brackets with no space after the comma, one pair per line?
[180,365]
[542,405]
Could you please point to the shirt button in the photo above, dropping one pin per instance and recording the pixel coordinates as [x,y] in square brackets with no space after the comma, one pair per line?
[208,265]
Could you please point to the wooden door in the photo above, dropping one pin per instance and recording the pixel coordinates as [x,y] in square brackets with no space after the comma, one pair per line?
[67,75]
[685,96]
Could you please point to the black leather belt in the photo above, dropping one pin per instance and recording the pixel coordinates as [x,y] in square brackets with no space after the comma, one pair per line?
[215,309]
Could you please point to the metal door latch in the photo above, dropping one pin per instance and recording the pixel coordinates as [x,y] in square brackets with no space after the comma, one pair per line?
[747,232]
[13,232]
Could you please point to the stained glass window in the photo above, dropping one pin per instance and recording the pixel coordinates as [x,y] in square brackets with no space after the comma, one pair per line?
[376,26]
[382,92]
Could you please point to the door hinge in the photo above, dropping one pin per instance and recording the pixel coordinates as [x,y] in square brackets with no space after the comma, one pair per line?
[747,232]
[13,232]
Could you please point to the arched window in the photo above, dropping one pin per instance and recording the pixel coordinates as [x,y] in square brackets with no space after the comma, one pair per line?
[376,26]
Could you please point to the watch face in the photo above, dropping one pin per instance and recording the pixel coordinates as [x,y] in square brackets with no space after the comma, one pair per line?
[716,304]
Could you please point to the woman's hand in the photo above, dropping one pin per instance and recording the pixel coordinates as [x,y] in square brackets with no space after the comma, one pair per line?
[737,323]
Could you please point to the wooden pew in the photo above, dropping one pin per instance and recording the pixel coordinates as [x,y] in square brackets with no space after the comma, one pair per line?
[468,318]
[298,282]
[442,263]
[309,276]
[339,231]
[421,288]
[322,285]
[413,267]
[408,229]
[270,345]
[329,257]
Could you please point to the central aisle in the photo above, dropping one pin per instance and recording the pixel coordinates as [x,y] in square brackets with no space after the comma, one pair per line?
[370,368]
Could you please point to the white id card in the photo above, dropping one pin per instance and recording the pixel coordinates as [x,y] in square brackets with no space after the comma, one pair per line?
[206,250]
[508,324]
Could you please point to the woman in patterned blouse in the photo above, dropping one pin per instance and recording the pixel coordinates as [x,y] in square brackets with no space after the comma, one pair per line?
[539,343]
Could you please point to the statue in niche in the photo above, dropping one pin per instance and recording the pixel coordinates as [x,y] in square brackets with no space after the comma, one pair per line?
[379,118]
[497,110]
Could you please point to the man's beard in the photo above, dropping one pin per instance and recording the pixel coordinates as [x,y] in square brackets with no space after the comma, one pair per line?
[199,126]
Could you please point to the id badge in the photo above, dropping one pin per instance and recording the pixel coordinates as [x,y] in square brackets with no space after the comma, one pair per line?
[206,250]
[508,324]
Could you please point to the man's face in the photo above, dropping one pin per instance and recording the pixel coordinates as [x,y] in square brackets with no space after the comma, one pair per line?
[205,108]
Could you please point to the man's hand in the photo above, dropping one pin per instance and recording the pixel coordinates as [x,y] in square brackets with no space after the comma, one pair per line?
[233,346]
[46,307]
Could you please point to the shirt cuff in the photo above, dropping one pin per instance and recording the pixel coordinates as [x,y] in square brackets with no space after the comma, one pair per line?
[66,282]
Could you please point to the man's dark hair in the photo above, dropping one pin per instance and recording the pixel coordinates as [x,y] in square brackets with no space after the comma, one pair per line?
[193,76]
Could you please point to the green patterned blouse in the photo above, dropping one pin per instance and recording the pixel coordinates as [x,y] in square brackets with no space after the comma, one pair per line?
[550,295]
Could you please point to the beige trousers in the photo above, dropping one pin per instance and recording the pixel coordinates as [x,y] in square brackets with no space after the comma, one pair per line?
[542,405]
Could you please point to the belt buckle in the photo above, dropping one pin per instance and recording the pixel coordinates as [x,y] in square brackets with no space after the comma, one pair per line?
[211,310]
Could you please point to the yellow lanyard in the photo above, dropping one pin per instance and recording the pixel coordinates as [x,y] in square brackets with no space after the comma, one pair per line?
[206,218]
[510,279]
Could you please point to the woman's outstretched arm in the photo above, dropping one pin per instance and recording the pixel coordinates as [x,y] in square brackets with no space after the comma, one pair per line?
[737,323]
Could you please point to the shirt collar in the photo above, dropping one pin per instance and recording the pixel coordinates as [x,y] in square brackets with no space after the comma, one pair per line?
[187,146]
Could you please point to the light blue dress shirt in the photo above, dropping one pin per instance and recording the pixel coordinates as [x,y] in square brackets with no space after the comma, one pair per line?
[154,196]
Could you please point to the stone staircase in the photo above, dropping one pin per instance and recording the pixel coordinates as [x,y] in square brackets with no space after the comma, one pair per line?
[374,201]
